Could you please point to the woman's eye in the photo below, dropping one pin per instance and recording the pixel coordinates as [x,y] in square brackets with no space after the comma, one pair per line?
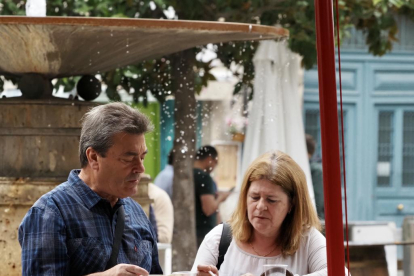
[271,200]
[255,198]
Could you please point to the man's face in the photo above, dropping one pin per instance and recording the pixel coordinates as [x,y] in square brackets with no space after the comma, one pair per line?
[211,163]
[119,172]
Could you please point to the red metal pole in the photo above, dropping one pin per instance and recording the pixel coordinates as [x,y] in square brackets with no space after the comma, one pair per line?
[330,140]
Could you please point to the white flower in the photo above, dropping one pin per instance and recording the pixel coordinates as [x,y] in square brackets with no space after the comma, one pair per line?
[236,124]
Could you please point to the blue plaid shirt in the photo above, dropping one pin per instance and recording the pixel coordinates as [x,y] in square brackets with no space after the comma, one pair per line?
[70,231]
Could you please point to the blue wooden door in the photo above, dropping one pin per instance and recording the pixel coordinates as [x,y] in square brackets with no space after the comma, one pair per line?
[390,91]
[378,110]
[379,100]
[394,170]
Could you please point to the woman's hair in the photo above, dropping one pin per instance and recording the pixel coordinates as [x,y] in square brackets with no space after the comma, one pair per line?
[280,169]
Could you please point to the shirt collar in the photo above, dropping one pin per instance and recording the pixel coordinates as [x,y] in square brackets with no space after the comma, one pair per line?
[89,197]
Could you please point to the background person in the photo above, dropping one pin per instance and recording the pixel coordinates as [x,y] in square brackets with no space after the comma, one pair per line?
[274,223]
[70,230]
[163,213]
[317,177]
[207,198]
[164,179]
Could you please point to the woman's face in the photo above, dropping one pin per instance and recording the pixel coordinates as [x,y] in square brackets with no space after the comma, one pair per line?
[267,207]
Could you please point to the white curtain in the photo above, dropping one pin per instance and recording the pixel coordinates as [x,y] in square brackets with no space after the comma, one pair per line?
[275,120]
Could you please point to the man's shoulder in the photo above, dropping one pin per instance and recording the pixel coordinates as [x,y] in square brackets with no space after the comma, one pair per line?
[155,192]
[203,183]
[165,176]
[203,178]
[53,197]
[198,173]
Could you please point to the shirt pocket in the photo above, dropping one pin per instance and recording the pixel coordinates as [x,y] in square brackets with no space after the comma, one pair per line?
[87,255]
[141,254]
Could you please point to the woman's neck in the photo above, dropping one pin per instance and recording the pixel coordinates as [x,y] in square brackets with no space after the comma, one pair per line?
[263,241]
[263,237]
[261,245]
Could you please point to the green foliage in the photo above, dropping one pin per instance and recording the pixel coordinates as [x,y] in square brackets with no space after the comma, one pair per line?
[95,8]
[202,75]
[374,17]
[154,76]
[67,83]
[12,7]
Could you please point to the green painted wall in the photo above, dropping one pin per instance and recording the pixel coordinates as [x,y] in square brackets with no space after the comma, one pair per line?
[152,160]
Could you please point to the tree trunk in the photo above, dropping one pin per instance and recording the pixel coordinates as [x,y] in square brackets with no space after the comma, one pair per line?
[184,237]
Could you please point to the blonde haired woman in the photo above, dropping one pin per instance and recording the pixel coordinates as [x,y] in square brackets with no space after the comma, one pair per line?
[274,223]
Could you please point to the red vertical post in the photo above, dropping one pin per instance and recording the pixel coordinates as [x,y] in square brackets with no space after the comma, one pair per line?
[330,140]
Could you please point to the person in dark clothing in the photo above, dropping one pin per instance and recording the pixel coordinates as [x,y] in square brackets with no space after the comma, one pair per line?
[164,179]
[207,199]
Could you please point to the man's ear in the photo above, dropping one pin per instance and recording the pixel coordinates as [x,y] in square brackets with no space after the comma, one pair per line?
[92,156]
[210,160]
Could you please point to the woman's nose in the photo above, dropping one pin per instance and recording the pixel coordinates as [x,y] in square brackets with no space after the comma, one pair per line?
[261,206]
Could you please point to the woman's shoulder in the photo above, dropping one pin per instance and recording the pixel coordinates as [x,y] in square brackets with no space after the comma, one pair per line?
[216,231]
[311,232]
[312,236]
[316,233]
[212,239]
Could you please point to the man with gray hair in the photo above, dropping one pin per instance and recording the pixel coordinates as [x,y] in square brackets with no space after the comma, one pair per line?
[89,224]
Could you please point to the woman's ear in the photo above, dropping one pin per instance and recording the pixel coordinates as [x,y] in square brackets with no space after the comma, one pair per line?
[92,156]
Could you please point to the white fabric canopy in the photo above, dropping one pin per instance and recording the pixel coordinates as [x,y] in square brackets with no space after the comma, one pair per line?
[275,121]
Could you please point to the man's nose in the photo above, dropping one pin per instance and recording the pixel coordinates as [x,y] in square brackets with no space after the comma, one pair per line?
[139,167]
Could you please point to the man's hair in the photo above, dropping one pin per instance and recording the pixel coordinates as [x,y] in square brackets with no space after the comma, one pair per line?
[205,152]
[310,144]
[280,169]
[171,157]
[101,123]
